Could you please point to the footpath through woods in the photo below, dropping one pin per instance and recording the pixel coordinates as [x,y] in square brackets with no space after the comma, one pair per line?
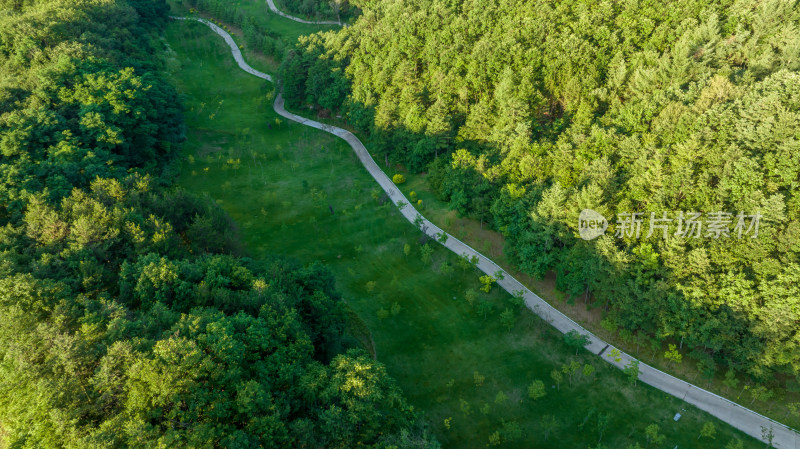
[744,419]
[277,11]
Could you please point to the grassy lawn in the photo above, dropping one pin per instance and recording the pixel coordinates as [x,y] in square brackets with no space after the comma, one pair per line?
[302,193]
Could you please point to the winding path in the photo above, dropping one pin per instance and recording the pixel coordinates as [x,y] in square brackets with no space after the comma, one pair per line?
[737,416]
[277,11]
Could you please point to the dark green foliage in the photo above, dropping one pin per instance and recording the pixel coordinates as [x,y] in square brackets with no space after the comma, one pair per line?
[537,110]
[319,9]
[575,340]
[305,77]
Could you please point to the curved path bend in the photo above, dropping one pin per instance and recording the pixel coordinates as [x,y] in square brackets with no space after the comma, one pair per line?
[277,11]
[734,414]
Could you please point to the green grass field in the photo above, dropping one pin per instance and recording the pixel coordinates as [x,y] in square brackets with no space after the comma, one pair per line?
[279,182]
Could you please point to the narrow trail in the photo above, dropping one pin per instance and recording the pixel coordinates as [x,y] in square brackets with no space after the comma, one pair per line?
[277,11]
[734,414]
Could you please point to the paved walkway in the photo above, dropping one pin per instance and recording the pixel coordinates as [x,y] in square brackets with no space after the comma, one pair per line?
[737,416]
[277,11]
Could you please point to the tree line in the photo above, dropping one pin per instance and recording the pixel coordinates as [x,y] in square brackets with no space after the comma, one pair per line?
[523,114]
[129,315]
[319,9]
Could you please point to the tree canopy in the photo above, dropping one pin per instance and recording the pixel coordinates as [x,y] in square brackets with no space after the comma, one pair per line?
[319,9]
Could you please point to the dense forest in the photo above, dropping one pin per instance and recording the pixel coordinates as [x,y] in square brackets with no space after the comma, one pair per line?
[128,315]
[524,113]
[319,9]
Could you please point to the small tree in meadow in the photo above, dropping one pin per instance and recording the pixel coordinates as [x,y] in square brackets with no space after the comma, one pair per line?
[511,431]
[632,371]
[768,434]
[602,424]
[484,308]
[588,370]
[446,269]
[557,378]
[471,296]
[500,398]
[708,431]
[571,371]
[549,425]
[735,443]
[517,299]
[536,390]
[507,318]
[426,253]
[652,436]
[576,340]
[464,263]
[395,310]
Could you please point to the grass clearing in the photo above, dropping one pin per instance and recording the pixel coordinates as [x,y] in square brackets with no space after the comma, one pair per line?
[302,193]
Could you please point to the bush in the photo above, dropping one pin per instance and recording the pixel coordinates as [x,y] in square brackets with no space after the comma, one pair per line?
[398,179]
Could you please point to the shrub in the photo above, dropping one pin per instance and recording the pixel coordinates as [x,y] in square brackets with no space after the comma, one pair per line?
[398,179]
[487,282]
